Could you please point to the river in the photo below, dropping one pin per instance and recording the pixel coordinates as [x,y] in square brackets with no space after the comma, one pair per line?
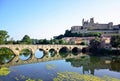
[40,66]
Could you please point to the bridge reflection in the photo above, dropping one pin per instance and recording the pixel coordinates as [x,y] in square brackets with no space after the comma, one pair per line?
[17,61]
[88,63]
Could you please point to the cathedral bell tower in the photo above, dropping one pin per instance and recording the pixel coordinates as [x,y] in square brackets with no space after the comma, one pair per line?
[92,20]
[82,21]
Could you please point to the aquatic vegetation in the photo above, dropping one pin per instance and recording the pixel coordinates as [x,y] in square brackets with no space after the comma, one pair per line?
[29,79]
[16,78]
[72,76]
[4,71]
[25,78]
[50,66]
[84,57]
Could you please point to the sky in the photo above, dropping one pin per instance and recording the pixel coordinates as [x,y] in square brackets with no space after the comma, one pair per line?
[47,18]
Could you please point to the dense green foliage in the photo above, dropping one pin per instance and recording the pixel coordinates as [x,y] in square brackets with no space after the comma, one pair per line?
[115,41]
[69,34]
[45,41]
[94,45]
[3,36]
[26,40]
[10,41]
[82,43]
[5,51]
[5,55]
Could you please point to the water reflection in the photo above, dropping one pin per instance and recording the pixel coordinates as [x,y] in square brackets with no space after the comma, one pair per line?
[5,55]
[64,54]
[25,54]
[91,64]
[39,53]
[52,52]
[5,58]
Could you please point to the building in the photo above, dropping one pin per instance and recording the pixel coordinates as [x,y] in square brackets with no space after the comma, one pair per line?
[87,27]
[78,40]
[105,41]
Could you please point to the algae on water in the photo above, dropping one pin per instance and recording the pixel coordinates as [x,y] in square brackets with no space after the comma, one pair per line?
[4,71]
[73,76]
[50,66]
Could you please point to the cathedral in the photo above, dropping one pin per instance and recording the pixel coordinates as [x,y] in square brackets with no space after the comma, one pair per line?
[90,26]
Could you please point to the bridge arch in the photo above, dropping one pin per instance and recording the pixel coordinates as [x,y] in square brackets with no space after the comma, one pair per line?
[76,50]
[26,50]
[64,50]
[17,48]
[52,52]
[25,54]
[85,49]
[39,53]
[2,48]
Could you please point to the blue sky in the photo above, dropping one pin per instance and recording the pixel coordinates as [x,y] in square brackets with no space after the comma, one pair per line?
[47,18]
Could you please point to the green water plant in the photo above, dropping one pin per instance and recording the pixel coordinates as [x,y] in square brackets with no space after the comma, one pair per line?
[73,76]
[4,71]
[50,66]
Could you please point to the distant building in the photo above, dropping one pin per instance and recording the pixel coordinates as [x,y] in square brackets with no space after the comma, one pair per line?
[96,27]
[78,40]
[105,41]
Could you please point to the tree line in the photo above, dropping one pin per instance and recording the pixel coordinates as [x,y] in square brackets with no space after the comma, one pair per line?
[115,39]
[68,33]
[27,40]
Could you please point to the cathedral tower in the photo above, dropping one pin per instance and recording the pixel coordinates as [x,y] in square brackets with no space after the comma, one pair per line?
[92,20]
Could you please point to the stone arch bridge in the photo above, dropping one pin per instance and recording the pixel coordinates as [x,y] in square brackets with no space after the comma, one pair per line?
[33,48]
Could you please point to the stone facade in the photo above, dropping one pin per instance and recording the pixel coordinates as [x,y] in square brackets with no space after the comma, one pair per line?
[96,27]
[78,40]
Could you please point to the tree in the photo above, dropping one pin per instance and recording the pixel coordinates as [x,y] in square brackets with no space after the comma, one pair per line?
[3,36]
[55,41]
[26,40]
[45,41]
[10,41]
[35,41]
[40,41]
[59,37]
[95,45]
[115,41]
[83,43]
[61,41]
[67,33]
